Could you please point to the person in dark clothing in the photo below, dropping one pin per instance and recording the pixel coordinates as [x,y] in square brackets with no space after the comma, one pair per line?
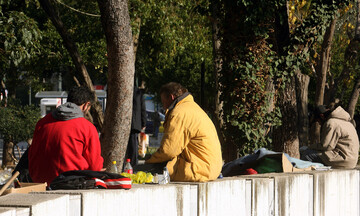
[138,124]
[157,122]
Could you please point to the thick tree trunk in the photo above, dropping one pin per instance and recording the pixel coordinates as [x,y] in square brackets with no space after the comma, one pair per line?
[229,149]
[285,137]
[75,56]
[302,84]
[115,134]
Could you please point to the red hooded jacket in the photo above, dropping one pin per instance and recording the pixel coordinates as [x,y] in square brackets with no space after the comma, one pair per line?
[63,145]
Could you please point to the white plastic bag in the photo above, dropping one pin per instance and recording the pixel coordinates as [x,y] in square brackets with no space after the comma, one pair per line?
[143,143]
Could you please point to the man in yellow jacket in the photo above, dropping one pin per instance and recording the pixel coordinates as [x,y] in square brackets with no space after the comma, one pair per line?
[190,144]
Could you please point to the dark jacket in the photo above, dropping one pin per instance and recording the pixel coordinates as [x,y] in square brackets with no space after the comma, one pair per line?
[139,111]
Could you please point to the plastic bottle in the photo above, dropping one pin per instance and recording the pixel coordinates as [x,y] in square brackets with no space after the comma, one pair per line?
[128,168]
[114,168]
[166,176]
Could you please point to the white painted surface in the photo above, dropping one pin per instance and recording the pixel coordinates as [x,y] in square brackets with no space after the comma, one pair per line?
[222,197]
[39,204]
[293,195]
[324,193]
[262,199]
[336,192]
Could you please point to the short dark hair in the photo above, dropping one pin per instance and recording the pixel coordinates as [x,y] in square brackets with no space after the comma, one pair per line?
[80,95]
[322,110]
[173,88]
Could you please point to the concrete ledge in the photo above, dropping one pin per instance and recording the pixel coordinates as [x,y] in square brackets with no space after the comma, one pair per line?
[4,211]
[334,192]
[38,204]
[140,200]
[222,197]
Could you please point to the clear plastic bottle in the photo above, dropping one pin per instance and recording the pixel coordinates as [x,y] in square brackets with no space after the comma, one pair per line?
[166,175]
[128,168]
[114,168]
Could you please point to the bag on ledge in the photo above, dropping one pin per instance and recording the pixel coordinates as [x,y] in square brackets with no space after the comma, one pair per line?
[88,179]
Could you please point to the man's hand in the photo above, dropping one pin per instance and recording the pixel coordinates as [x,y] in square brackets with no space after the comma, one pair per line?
[147,157]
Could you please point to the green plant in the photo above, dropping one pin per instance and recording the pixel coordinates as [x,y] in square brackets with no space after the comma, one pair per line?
[17,123]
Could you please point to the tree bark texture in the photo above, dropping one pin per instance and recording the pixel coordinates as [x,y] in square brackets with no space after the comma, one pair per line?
[115,133]
[285,137]
[302,84]
[354,98]
[357,30]
[324,64]
[352,56]
[70,46]
[229,149]
[322,68]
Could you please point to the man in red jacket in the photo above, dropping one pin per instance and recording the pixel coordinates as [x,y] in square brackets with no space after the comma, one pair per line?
[64,140]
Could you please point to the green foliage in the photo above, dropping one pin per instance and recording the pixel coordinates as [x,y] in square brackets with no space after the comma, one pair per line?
[344,54]
[248,67]
[17,123]
[175,39]
[253,58]
[19,36]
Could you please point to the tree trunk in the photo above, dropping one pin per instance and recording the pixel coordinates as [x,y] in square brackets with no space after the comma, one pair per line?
[69,44]
[8,154]
[322,68]
[229,149]
[302,84]
[354,55]
[285,137]
[324,64]
[354,98]
[115,133]
[357,30]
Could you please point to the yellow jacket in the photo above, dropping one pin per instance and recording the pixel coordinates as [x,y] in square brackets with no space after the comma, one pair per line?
[190,144]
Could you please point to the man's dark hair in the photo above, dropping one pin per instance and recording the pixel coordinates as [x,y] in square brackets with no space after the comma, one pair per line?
[323,110]
[173,88]
[80,95]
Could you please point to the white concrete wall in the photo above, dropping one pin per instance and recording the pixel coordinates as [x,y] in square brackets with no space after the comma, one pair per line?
[334,192]
[222,197]
[38,204]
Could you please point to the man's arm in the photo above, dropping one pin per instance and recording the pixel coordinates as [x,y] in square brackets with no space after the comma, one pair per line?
[329,136]
[92,152]
[173,143]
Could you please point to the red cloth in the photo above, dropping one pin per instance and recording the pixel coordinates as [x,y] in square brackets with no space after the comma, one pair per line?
[250,171]
[60,146]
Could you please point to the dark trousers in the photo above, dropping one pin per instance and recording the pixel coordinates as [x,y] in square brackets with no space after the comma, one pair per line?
[151,167]
[311,155]
[132,151]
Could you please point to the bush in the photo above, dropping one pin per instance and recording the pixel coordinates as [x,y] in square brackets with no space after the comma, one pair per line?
[17,123]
